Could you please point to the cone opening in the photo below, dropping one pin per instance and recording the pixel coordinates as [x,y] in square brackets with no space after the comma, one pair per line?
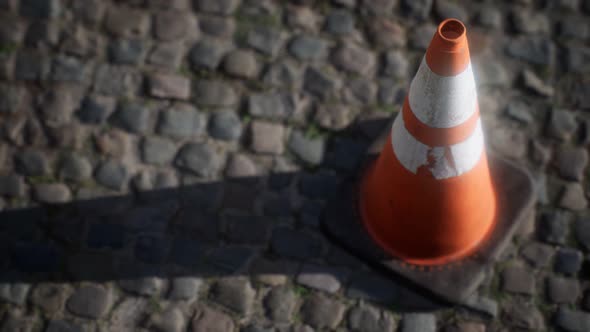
[451,30]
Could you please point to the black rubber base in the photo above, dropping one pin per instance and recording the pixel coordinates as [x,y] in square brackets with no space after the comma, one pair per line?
[452,282]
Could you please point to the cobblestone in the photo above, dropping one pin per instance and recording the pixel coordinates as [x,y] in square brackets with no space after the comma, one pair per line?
[320,312]
[91,301]
[572,320]
[225,125]
[207,319]
[322,278]
[414,322]
[280,304]
[561,290]
[235,293]
[198,158]
[368,318]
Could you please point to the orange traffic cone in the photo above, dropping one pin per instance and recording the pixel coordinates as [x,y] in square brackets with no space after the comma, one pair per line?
[429,199]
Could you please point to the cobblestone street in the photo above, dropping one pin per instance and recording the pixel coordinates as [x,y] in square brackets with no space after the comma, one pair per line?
[165,164]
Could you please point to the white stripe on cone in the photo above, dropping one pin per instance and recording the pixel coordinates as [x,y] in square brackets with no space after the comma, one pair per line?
[413,154]
[442,101]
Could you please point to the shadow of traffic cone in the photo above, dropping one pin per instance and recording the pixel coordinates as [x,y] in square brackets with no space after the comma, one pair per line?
[429,204]
[429,199]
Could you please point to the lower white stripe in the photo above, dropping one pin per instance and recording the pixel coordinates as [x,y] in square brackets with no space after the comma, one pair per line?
[445,162]
[442,101]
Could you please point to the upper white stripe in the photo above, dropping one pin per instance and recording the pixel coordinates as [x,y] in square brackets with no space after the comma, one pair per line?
[442,101]
[413,154]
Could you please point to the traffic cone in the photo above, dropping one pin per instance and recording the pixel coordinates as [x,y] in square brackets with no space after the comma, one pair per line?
[429,198]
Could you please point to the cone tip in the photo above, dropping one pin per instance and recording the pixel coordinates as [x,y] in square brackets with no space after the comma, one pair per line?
[452,32]
[448,52]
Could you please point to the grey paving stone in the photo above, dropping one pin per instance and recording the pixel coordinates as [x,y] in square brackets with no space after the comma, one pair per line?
[128,51]
[266,40]
[32,162]
[386,33]
[267,137]
[214,93]
[169,86]
[59,104]
[321,312]
[167,54]
[90,301]
[127,22]
[70,69]
[185,288]
[172,319]
[448,9]
[534,49]
[568,261]
[415,322]
[309,150]
[538,254]
[295,244]
[396,64]
[241,64]
[208,319]
[134,117]
[417,9]
[553,227]
[95,109]
[368,318]
[334,116]
[12,185]
[354,59]
[519,111]
[199,158]
[128,314]
[40,9]
[116,81]
[572,320]
[18,322]
[527,21]
[562,290]
[49,297]
[181,121]
[52,193]
[378,8]
[208,53]
[14,292]
[157,150]
[217,26]
[280,304]
[112,174]
[31,66]
[11,98]
[171,25]
[63,326]
[490,17]
[518,314]
[241,166]
[268,105]
[305,47]
[536,84]
[321,277]
[225,125]
[224,7]
[340,22]
[562,124]
[572,197]
[236,293]
[517,279]
[572,162]
[321,83]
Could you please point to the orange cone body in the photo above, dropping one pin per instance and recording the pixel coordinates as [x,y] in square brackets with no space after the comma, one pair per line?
[428,199]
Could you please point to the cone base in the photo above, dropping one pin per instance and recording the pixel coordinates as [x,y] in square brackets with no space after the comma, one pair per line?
[454,281]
